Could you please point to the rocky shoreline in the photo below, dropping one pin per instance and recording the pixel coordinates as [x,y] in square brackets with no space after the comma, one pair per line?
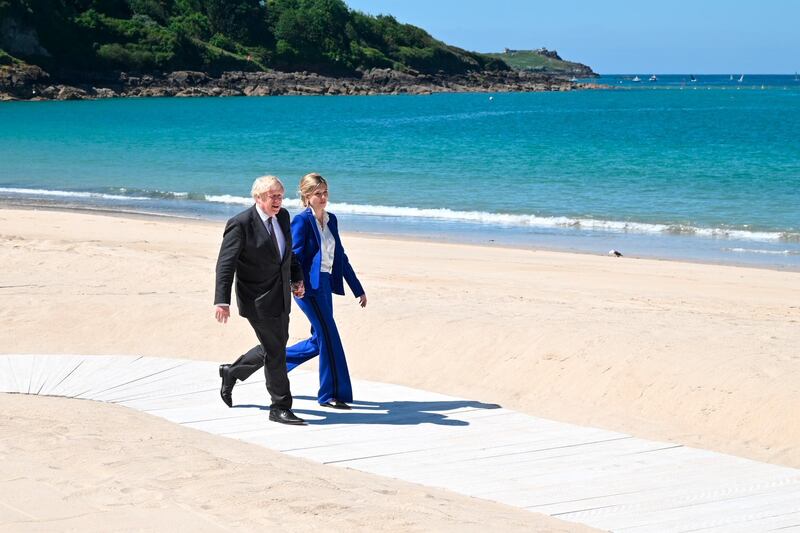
[32,83]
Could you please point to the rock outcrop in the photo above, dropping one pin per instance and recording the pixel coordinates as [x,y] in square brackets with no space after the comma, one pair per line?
[21,81]
[29,82]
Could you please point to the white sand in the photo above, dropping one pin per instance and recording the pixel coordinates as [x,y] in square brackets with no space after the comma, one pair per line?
[73,465]
[704,355]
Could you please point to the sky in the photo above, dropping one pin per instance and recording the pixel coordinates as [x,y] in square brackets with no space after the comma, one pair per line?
[619,36]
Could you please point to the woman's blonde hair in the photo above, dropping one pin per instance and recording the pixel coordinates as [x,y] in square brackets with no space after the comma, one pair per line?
[308,184]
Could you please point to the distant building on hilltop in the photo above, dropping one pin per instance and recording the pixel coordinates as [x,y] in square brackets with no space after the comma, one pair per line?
[552,54]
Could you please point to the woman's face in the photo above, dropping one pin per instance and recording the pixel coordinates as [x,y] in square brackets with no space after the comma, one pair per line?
[318,200]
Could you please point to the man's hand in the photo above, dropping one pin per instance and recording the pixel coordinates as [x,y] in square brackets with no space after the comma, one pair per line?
[362,300]
[299,289]
[222,313]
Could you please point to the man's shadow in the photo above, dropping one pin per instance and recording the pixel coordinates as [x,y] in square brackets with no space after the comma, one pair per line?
[397,413]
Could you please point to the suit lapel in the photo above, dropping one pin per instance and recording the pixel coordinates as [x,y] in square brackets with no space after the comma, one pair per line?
[313,221]
[333,229]
[262,237]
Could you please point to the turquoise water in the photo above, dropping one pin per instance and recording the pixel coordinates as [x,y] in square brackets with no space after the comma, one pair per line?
[706,171]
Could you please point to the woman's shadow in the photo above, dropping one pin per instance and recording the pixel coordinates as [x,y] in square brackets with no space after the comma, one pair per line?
[397,413]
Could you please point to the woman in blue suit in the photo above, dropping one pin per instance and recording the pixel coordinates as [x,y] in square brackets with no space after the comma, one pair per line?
[316,243]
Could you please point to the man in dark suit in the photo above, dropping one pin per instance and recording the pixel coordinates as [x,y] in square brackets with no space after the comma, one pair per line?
[257,248]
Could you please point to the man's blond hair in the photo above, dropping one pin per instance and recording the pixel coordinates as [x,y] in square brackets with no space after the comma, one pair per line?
[266,184]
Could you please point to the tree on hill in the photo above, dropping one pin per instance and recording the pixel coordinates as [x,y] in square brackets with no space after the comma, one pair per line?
[322,36]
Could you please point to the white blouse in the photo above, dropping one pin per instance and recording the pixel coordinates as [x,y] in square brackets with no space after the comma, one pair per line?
[328,244]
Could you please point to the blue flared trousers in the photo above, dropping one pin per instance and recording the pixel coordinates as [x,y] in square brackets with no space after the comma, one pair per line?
[334,378]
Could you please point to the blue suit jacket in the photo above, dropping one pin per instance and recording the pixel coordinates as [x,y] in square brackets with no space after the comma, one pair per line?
[306,246]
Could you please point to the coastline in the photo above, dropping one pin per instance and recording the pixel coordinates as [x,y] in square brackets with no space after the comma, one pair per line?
[33,84]
[373,233]
[668,350]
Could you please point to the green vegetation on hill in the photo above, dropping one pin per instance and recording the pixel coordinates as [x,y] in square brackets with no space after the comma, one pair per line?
[6,59]
[324,36]
[541,61]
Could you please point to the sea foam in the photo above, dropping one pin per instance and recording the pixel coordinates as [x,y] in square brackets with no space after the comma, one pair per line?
[435,214]
[69,194]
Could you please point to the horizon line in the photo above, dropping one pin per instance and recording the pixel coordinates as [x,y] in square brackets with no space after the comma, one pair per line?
[695,73]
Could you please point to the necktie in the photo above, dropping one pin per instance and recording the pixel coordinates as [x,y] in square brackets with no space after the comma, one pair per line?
[271,231]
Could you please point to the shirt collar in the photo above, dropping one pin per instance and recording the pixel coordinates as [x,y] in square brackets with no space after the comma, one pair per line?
[262,214]
[325,217]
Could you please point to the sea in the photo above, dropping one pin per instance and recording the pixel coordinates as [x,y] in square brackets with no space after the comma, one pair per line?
[689,167]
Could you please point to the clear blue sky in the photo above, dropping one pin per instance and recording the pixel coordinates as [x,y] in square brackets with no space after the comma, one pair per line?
[619,36]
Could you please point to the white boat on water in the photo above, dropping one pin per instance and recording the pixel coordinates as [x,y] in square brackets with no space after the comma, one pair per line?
[573,79]
[636,78]
[731,77]
[741,78]
[653,78]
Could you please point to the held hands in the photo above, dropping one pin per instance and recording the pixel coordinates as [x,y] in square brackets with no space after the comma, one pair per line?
[362,300]
[299,289]
[222,313]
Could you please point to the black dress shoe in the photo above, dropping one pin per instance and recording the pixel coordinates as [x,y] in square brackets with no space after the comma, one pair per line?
[336,404]
[228,382]
[285,416]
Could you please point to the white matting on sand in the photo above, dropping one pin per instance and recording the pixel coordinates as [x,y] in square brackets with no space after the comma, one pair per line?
[600,478]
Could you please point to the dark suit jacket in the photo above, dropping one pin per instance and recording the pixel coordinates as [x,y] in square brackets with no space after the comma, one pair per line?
[306,246]
[263,281]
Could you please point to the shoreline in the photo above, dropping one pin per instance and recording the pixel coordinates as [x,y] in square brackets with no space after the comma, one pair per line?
[696,354]
[439,238]
[31,83]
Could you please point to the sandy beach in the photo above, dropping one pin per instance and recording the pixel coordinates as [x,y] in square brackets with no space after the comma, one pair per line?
[702,355]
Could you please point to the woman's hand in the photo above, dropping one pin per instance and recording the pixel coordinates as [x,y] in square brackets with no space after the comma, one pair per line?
[362,300]
[299,289]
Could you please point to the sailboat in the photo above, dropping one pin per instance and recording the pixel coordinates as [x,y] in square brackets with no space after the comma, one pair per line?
[692,78]
[636,78]
[731,77]
[795,77]
[741,78]
[653,78]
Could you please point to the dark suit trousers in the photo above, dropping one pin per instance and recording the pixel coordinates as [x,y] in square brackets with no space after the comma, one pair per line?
[271,354]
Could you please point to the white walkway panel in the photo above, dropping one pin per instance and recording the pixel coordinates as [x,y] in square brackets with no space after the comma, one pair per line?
[596,477]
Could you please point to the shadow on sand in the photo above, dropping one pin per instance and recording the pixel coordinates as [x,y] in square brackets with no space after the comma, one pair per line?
[397,413]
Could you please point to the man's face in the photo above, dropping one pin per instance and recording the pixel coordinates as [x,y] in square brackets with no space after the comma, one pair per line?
[270,201]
